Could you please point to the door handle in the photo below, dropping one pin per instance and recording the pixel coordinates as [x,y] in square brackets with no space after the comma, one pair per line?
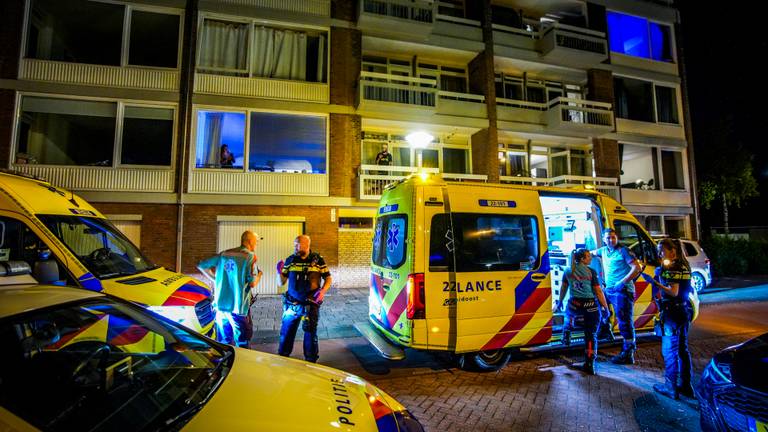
[538,277]
[386,287]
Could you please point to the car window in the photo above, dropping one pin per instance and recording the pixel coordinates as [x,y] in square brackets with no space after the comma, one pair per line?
[19,243]
[493,242]
[389,241]
[631,236]
[690,249]
[103,365]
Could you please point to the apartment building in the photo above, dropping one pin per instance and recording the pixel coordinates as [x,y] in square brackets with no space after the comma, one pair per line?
[188,121]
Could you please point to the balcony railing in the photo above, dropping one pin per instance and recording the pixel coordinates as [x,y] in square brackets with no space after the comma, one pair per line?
[606,185]
[99,75]
[257,87]
[397,18]
[418,11]
[579,114]
[573,45]
[373,179]
[103,178]
[310,7]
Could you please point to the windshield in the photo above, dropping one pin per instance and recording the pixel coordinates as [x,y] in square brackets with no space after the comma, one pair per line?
[105,365]
[101,247]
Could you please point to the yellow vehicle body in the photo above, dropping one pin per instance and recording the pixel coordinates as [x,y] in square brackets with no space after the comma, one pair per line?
[260,391]
[475,268]
[23,201]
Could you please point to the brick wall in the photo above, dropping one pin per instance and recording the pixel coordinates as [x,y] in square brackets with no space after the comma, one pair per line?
[344,154]
[158,228]
[11,23]
[354,269]
[600,85]
[346,57]
[485,156]
[606,153]
[7,102]
[344,10]
[201,228]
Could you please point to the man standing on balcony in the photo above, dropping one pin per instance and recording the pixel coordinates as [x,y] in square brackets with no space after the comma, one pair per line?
[620,269]
[235,275]
[384,157]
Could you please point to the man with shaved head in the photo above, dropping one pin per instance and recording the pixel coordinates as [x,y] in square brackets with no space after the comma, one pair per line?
[235,275]
[301,303]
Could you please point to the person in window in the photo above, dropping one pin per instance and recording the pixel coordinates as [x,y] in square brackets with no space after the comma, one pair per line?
[226,158]
[671,287]
[235,276]
[384,157]
[620,268]
[585,296]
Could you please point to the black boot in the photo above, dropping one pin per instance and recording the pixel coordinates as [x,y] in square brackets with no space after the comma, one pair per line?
[589,366]
[625,357]
[667,390]
[566,337]
[687,391]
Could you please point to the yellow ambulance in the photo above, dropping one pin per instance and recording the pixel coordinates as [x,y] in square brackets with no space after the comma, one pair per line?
[474,269]
[66,241]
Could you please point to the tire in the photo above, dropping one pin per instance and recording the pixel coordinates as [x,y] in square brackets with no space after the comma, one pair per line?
[697,281]
[485,361]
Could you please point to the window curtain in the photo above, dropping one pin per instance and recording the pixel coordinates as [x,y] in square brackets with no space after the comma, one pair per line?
[279,54]
[208,144]
[224,46]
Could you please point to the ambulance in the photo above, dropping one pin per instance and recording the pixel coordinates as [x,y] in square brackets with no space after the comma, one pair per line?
[66,241]
[475,268]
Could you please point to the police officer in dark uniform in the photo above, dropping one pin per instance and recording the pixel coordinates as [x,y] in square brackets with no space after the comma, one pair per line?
[301,303]
[672,285]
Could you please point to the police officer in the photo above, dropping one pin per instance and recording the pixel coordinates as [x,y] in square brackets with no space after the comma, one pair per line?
[586,294]
[235,275]
[672,285]
[301,303]
[620,268]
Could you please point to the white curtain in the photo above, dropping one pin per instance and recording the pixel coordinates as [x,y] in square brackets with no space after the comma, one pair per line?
[224,46]
[209,139]
[279,54]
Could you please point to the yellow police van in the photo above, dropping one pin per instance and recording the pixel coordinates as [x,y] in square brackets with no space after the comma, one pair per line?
[66,241]
[474,269]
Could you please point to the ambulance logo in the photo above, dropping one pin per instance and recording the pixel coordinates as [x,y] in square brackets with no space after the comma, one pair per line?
[392,240]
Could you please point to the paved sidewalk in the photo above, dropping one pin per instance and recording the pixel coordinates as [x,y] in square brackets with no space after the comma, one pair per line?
[340,310]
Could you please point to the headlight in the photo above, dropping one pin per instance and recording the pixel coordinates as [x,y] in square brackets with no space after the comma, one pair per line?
[407,422]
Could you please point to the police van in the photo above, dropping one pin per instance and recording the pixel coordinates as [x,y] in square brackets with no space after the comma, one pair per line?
[475,269]
[66,241]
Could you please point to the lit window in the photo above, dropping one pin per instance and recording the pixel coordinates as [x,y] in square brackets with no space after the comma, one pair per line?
[220,140]
[636,36]
[287,143]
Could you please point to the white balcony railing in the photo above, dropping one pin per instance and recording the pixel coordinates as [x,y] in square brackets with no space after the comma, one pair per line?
[104,178]
[265,88]
[575,38]
[309,7]
[606,185]
[373,179]
[239,182]
[579,113]
[99,75]
[419,11]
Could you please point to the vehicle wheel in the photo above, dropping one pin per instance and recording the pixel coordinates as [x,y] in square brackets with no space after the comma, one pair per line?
[485,361]
[697,281]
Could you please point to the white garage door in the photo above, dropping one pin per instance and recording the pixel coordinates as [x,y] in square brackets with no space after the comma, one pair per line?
[277,244]
[130,225]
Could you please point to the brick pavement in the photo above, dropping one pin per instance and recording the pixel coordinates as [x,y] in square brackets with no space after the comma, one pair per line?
[541,392]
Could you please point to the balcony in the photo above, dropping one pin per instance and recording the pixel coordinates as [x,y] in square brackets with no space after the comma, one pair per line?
[579,116]
[606,185]
[104,178]
[399,18]
[265,88]
[521,111]
[373,179]
[320,8]
[573,46]
[99,75]
[402,94]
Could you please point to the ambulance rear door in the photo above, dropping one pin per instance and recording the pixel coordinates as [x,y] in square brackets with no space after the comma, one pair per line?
[492,290]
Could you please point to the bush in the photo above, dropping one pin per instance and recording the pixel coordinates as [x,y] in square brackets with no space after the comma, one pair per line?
[735,257]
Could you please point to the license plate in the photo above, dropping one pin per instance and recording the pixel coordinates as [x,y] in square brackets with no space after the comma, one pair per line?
[757,426]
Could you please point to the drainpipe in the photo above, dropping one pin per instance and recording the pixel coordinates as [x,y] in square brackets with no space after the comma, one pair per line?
[186,90]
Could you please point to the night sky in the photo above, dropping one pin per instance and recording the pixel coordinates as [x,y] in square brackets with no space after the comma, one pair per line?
[725,46]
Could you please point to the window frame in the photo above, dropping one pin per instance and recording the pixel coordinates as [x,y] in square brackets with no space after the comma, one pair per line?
[252,22]
[654,84]
[196,108]
[126,32]
[683,168]
[118,139]
[648,21]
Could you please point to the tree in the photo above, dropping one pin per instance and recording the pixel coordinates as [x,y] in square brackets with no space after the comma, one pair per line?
[725,170]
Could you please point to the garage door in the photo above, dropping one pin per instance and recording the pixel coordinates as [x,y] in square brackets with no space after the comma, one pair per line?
[130,225]
[277,244]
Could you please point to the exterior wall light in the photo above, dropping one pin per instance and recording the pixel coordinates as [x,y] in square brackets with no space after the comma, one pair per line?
[419,139]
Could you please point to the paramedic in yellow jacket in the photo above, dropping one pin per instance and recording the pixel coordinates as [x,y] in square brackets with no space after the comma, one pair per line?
[235,275]
[301,303]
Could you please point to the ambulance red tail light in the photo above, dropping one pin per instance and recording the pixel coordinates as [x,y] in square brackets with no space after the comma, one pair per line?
[415,287]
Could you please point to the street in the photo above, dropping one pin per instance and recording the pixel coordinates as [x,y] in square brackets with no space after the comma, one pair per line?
[535,391]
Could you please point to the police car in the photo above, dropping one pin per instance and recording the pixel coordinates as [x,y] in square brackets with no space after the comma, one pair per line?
[80,360]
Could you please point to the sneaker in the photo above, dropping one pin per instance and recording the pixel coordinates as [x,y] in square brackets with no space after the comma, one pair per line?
[624,358]
[666,390]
